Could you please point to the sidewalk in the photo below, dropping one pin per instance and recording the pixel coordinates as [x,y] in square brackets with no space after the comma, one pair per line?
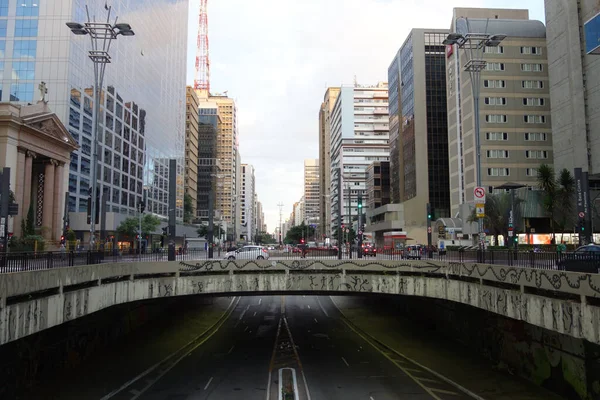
[439,353]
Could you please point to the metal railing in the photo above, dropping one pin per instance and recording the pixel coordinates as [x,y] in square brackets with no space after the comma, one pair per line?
[576,262]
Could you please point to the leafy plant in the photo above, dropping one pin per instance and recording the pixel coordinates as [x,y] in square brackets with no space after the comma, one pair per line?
[130,226]
[188,208]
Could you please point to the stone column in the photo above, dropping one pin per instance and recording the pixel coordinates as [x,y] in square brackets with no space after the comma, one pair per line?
[19,191]
[48,206]
[58,200]
[29,156]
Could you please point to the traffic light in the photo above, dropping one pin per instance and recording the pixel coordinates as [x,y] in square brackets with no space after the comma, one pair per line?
[429,214]
[359,201]
[62,239]
[516,239]
[142,206]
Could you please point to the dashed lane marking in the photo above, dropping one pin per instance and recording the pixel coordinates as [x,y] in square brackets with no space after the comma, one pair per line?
[345,362]
[208,383]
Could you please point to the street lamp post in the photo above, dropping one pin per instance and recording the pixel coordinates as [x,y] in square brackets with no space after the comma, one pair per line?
[101,35]
[474,45]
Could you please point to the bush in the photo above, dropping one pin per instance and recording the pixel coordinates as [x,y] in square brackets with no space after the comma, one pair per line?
[27,243]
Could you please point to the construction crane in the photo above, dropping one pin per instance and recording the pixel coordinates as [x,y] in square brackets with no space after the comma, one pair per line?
[202,77]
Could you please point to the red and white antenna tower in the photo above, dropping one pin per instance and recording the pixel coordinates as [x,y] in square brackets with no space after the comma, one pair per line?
[202,77]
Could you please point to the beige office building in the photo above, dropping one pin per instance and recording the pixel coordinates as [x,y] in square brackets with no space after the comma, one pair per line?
[515,126]
[311,192]
[325,159]
[191,145]
[227,155]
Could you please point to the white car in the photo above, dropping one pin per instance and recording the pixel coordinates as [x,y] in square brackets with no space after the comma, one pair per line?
[248,253]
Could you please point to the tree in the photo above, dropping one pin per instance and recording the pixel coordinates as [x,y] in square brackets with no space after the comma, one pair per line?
[497,211]
[188,208]
[264,237]
[29,228]
[547,184]
[203,231]
[130,226]
[296,233]
[350,236]
[565,200]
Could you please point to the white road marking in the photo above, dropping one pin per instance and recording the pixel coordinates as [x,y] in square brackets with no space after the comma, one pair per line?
[208,383]
[254,315]
[308,305]
[322,309]
[242,315]
[246,328]
[316,321]
[259,301]
[134,392]
[231,349]
[371,398]
[345,362]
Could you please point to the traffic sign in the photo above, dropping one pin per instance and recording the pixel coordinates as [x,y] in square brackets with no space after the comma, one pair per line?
[479,194]
[480,210]
[360,232]
[581,214]
[510,233]
[428,229]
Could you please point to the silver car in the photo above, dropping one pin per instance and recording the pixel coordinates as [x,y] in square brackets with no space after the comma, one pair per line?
[248,253]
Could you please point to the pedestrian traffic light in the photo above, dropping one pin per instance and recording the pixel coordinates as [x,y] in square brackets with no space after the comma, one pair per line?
[359,202]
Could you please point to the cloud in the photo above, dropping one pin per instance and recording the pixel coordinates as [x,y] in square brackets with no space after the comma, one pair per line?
[276,57]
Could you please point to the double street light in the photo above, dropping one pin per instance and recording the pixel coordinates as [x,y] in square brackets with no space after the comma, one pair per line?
[101,35]
[474,45]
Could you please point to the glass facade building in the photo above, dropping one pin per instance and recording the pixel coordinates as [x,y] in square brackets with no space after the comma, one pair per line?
[207,162]
[142,115]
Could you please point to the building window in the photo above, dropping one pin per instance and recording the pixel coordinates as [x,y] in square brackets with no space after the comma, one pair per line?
[532,67]
[498,172]
[25,49]
[536,154]
[496,136]
[495,101]
[495,118]
[3,23]
[532,84]
[28,8]
[26,28]
[531,50]
[494,83]
[493,49]
[533,101]
[23,70]
[535,136]
[497,153]
[21,92]
[531,172]
[4,8]
[494,66]
[534,119]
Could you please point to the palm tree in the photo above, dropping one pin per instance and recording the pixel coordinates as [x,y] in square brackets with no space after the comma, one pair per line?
[547,184]
[564,199]
[497,208]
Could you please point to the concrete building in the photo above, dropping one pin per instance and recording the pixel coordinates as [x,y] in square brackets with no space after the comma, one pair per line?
[260,217]
[237,200]
[515,130]
[574,79]
[359,128]
[143,97]
[378,184]
[247,196]
[325,159]
[298,212]
[394,88]
[209,167]
[191,147]
[227,146]
[422,139]
[312,194]
[36,147]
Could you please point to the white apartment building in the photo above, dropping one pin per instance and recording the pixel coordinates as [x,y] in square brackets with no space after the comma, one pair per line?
[247,205]
[359,128]
[311,192]
[299,212]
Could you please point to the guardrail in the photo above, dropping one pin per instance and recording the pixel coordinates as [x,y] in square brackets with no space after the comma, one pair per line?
[575,262]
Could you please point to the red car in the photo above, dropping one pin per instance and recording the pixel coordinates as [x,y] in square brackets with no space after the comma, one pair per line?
[370,251]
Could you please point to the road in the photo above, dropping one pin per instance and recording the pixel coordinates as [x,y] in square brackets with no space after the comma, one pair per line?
[304,334]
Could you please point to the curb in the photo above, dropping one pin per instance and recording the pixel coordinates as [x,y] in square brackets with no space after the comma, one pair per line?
[220,320]
[379,342]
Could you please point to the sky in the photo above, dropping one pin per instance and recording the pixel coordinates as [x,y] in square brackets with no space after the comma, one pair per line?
[276,58]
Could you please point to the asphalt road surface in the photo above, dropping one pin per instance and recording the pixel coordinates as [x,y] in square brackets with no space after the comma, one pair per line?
[300,335]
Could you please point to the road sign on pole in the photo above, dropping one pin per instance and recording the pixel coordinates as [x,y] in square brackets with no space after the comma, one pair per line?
[581,214]
[480,210]
[479,194]
[428,229]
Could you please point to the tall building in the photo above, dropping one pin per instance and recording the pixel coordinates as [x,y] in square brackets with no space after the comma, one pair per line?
[359,135]
[260,217]
[248,194]
[209,167]
[422,140]
[311,192]
[143,96]
[325,159]
[227,156]
[191,147]
[237,200]
[515,129]
[573,65]
[378,184]
[298,212]
[394,87]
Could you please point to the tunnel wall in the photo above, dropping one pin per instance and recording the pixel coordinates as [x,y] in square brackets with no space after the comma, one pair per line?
[24,362]
[561,363]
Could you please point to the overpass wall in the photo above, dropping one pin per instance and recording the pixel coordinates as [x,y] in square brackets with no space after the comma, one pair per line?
[70,293]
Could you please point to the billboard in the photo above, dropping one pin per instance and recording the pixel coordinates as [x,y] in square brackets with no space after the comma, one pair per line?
[592,35]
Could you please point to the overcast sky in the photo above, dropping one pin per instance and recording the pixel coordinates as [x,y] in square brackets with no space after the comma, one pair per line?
[276,57]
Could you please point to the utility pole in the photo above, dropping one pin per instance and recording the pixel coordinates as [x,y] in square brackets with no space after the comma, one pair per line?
[280,205]
[350,242]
